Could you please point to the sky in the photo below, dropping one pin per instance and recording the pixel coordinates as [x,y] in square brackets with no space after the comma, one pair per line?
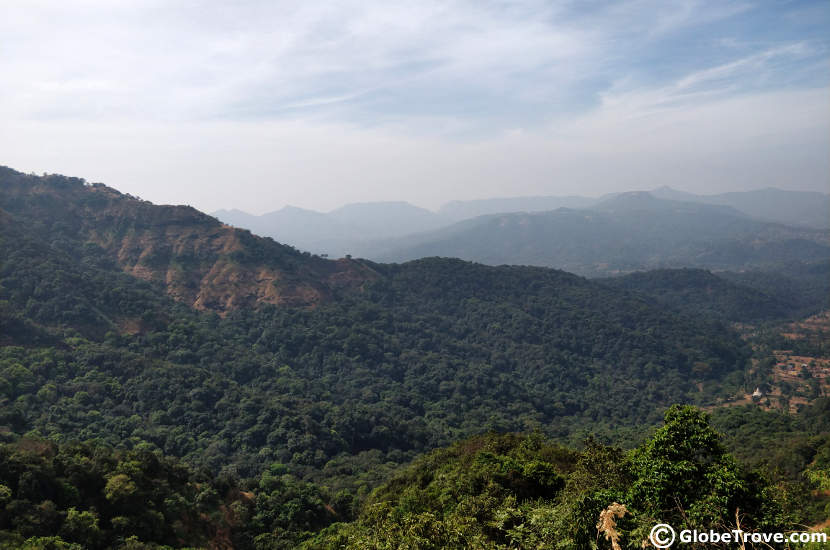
[255,104]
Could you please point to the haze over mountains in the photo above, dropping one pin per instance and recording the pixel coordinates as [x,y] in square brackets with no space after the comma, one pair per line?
[615,233]
[340,231]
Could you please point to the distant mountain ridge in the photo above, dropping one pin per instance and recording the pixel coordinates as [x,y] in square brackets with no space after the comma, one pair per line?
[644,201]
[340,231]
[802,208]
[462,210]
[623,233]
[360,229]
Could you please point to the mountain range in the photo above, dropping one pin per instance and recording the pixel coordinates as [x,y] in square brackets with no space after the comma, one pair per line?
[617,233]
[799,208]
[624,233]
[341,231]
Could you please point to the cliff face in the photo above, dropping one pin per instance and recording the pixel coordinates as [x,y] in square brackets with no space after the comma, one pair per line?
[197,259]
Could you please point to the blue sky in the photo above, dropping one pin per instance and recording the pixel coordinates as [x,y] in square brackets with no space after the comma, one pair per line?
[255,105]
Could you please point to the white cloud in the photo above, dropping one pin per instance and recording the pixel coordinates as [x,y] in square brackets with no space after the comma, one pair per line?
[198,60]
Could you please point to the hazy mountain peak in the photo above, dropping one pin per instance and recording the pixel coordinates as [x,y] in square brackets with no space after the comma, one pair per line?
[293,212]
[382,207]
[460,210]
[646,201]
[292,208]
[222,212]
[632,200]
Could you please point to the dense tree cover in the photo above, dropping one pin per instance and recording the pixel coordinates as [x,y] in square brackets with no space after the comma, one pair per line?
[803,286]
[429,352]
[506,491]
[440,349]
[92,497]
[70,286]
[488,491]
[701,293]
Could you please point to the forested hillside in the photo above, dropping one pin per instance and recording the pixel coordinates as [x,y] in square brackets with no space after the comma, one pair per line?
[804,286]
[157,331]
[197,259]
[702,293]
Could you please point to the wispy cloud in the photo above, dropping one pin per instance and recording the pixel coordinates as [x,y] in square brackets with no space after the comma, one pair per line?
[482,60]
[707,84]
[759,64]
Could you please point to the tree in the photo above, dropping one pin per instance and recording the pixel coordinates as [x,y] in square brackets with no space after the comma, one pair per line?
[684,476]
[82,526]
